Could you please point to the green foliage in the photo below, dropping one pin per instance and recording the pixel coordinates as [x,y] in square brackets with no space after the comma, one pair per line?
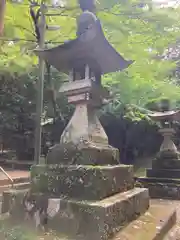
[132,30]
[18,106]
[141,35]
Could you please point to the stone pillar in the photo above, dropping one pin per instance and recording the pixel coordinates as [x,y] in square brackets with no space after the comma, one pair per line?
[167,144]
[84,135]
[84,125]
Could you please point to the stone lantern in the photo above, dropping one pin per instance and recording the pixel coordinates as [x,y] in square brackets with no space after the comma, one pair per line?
[162,179]
[168,153]
[83,169]
[85,60]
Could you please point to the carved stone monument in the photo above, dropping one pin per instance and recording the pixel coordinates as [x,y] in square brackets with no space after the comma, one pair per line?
[92,196]
[162,179]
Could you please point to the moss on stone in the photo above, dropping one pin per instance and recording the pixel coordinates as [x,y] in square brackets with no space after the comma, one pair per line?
[86,154]
[81,181]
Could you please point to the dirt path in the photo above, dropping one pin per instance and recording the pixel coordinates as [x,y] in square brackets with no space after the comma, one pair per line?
[174,234]
[15,174]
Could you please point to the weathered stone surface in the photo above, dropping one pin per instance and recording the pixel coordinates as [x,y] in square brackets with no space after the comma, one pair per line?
[166,164]
[12,201]
[167,144]
[161,188]
[168,155]
[163,173]
[153,225]
[84,126]
[89,220]
[155,180]
[101,219]
[163,180]
[164,191]
[81,182]
[86,154]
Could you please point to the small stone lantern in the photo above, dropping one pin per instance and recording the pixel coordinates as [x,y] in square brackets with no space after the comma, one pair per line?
[166,117]
[163,178]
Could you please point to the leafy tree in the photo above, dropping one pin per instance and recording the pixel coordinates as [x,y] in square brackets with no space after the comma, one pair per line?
[121,21]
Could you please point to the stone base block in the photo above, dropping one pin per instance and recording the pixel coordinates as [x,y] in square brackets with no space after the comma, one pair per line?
[81,182]
[161,188]
[163,173]
[89,220]
[11,199]
[168,155]
[153,225]
[88,154]
[163,164]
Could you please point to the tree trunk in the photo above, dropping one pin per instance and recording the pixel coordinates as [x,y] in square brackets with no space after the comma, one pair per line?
[2,13]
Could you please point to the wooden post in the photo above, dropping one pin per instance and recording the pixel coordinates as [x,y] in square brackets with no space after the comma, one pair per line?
[40,87]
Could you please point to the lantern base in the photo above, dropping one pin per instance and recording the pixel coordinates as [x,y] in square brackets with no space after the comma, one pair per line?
[163,180]
[160,188]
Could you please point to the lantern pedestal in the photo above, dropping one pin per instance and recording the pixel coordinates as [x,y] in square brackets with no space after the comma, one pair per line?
[163,180]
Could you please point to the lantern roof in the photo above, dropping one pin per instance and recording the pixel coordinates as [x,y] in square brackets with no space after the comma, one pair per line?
[90,48]
[170,115]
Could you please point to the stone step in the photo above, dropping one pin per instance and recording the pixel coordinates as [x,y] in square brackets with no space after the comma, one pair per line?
[159,180]
[170,164]
[163,173]
[153,225]
[161,188]
[173,234]
[98,183]
[88,219]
